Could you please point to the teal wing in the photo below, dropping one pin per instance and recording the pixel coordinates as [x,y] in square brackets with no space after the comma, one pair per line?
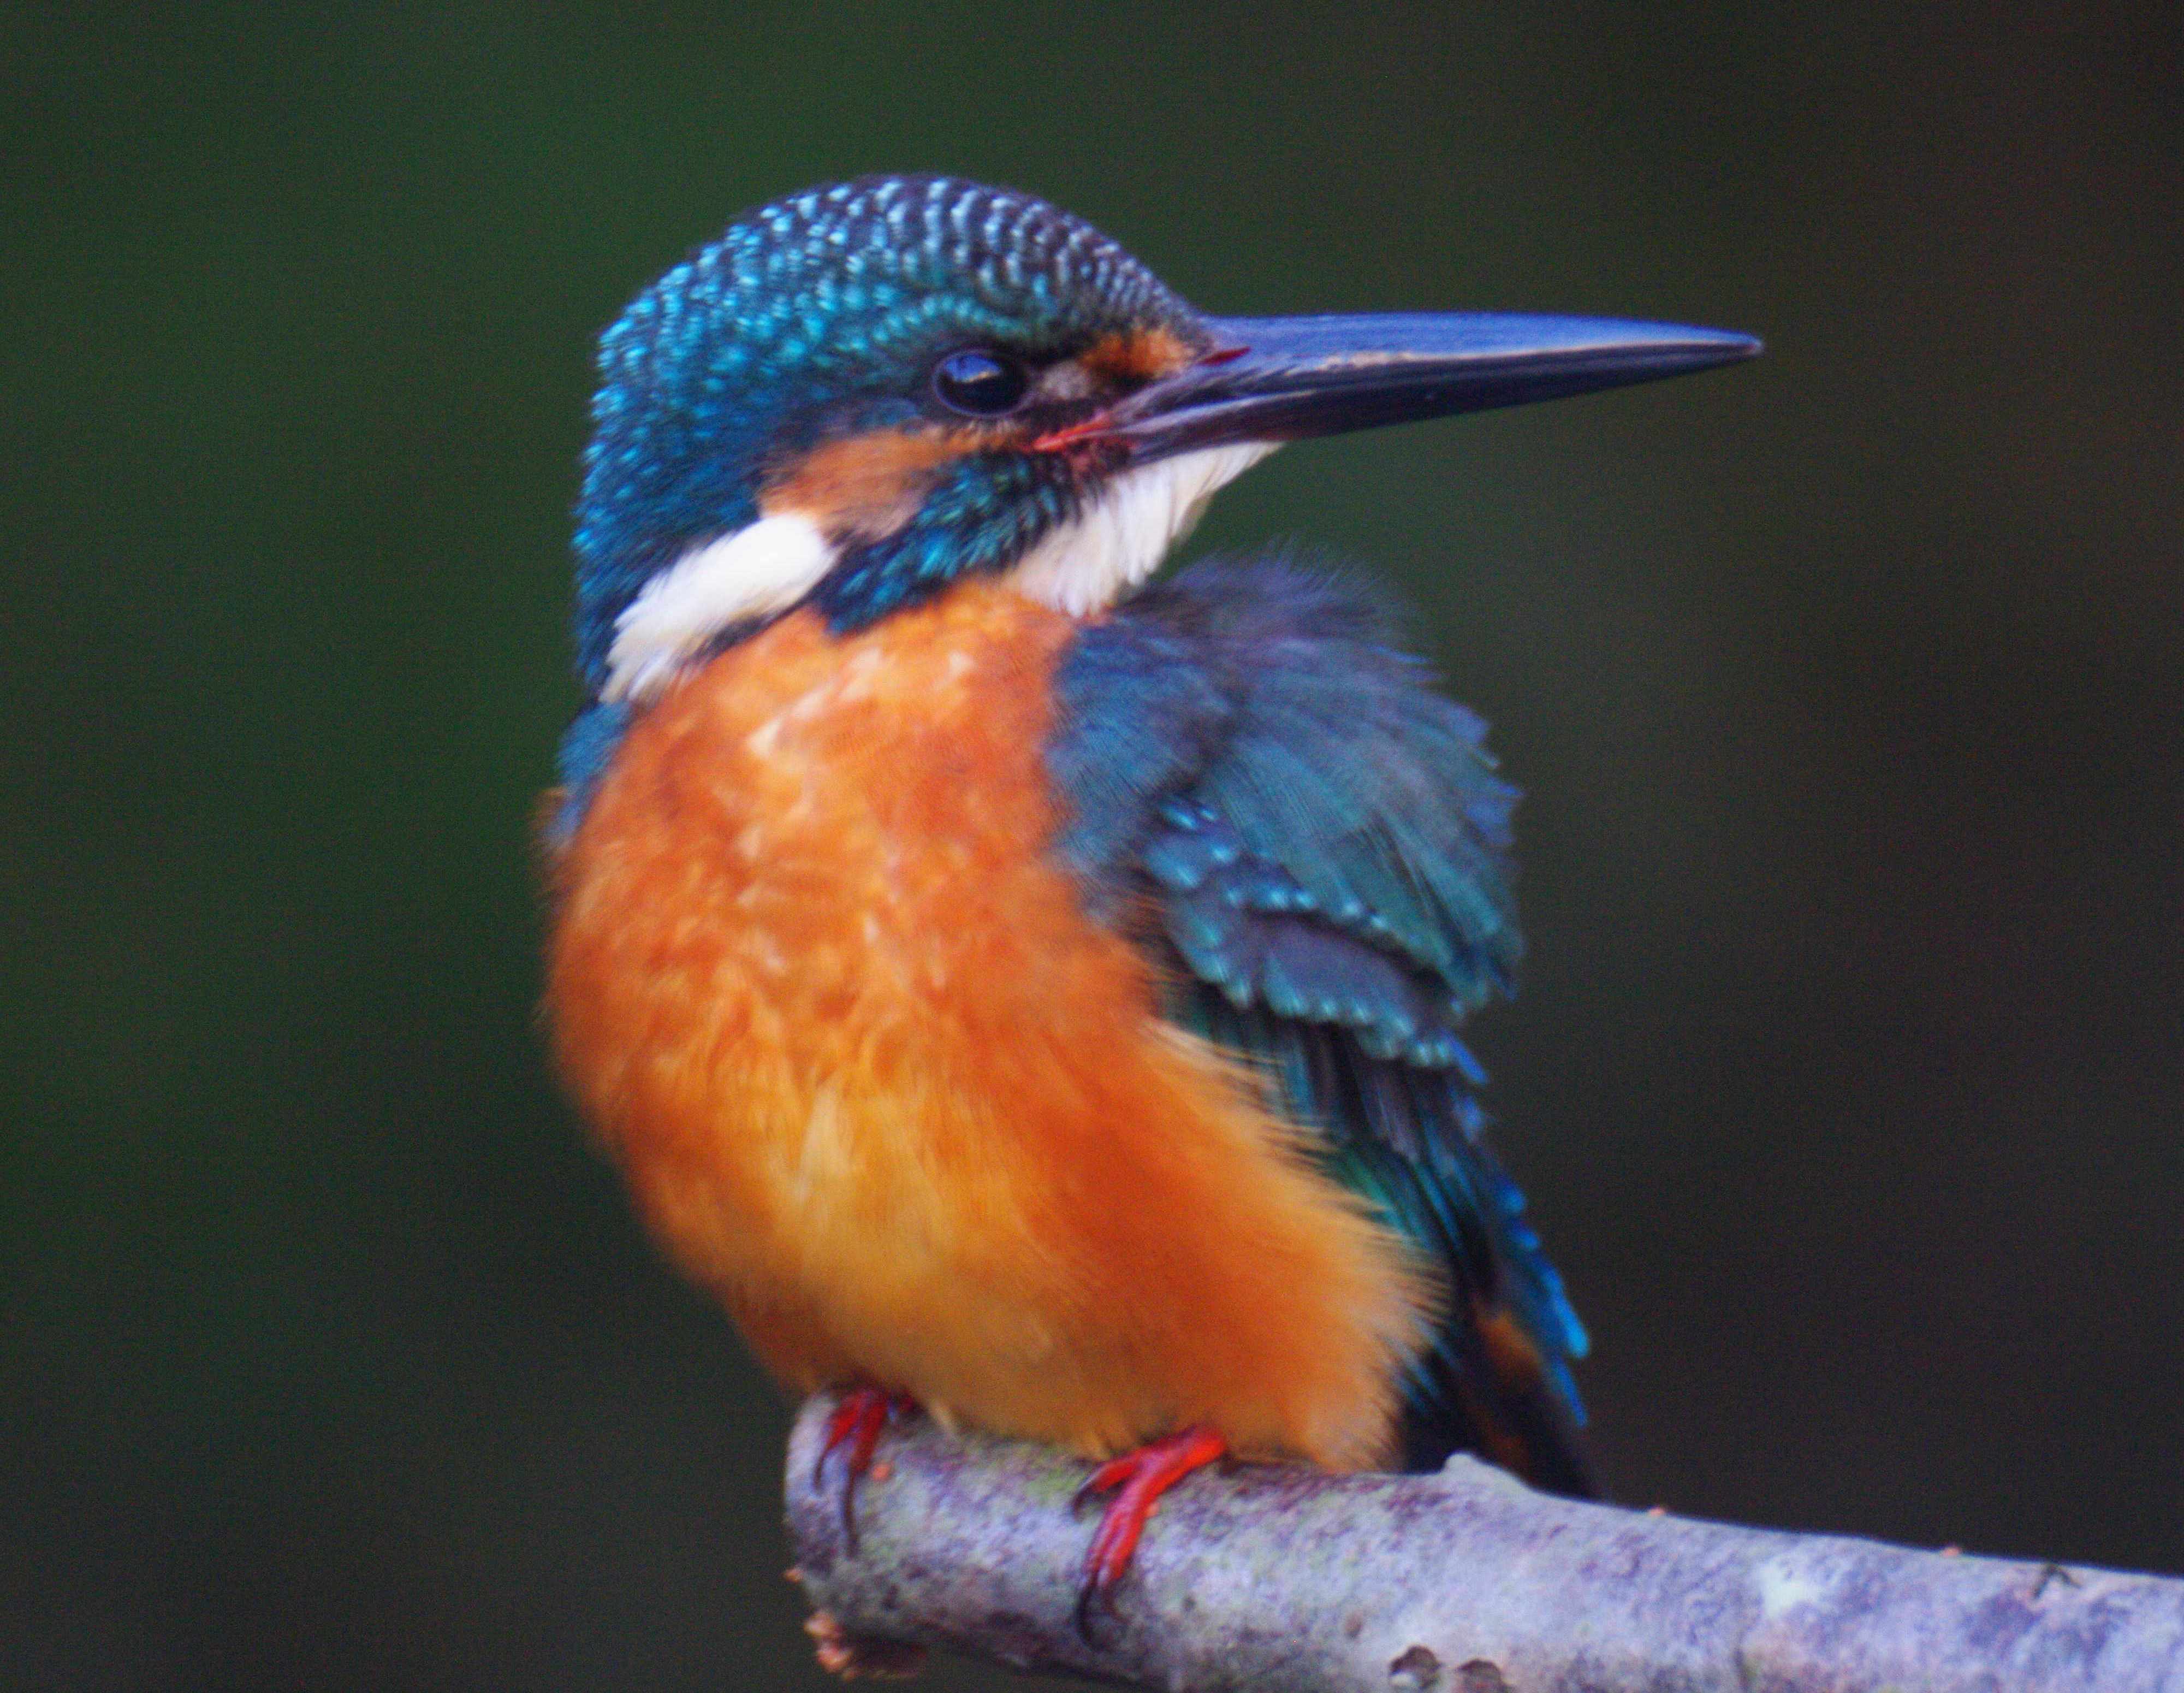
[1264,791]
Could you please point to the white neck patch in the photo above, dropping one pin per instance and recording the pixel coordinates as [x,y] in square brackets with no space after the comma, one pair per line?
[1119,540]
[765,567]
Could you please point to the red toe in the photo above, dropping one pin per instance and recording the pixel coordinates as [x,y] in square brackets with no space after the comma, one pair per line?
[1137,1479]
[857,1422]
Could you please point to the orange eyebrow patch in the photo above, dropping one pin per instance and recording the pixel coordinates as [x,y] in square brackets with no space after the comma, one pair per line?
[1138,355]
[866,486]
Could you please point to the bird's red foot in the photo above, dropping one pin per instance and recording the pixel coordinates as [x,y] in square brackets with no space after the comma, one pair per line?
[1137,1479]
[854,1429]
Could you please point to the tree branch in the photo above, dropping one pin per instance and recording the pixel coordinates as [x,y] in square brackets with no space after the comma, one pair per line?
[1286,1580]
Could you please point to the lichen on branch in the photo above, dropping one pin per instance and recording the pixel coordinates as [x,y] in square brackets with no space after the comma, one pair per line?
[1288,1580]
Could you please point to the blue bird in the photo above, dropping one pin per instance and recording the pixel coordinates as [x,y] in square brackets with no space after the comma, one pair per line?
[1013,989]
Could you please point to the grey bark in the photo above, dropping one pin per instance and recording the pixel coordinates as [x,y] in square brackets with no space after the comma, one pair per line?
[1287,1580]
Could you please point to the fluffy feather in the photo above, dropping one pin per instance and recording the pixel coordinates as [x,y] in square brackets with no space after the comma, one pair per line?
[1320,841]
[878,1078]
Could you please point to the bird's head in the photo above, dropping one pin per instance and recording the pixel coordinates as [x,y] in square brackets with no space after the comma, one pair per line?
[862,394]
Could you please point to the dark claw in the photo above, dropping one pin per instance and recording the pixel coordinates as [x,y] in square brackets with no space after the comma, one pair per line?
[1093,1599]
[856,1424]
[1137,1479]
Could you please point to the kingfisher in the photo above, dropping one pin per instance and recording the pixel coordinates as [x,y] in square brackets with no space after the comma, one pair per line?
[1016,988]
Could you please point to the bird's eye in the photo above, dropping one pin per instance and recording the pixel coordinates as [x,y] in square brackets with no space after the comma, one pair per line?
[982,384]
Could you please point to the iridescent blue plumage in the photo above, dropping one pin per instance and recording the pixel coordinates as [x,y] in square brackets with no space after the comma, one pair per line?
[819,317]
[984,515]
[1322,841]
[861,396]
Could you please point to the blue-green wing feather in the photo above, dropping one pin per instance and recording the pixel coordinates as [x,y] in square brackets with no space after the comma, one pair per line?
[1262,787]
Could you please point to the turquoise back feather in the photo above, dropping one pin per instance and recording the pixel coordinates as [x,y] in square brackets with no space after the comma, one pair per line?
[1267,793]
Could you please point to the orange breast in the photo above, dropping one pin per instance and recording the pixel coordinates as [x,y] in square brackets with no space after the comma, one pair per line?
[876,1079]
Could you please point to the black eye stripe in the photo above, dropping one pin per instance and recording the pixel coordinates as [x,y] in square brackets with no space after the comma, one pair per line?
[980,382]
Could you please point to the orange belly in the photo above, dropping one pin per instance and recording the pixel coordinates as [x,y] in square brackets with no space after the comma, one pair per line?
[877,1079]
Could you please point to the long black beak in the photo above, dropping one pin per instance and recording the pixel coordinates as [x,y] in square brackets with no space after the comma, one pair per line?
[1284,378]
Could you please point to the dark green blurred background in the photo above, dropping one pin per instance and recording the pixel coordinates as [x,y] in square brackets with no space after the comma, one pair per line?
[1846,687]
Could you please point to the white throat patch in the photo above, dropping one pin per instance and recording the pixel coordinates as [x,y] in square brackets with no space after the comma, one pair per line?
[765,567]
[1119,540]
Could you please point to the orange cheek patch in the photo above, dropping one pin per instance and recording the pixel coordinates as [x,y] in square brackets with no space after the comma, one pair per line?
[867,486]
